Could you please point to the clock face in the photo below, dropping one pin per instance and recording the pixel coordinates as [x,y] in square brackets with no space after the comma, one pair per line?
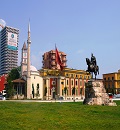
[24,55]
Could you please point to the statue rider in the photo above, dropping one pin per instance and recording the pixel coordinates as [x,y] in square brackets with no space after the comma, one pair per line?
[93,60]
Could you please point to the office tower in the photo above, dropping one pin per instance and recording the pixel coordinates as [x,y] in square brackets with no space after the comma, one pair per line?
[8,49]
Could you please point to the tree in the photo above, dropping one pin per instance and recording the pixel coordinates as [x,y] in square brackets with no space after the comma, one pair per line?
[13,74]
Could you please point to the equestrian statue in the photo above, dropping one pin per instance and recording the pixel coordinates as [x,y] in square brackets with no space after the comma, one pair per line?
[92,66]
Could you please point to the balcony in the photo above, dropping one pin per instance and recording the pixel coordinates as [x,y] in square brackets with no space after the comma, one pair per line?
[53,63]
[53,57]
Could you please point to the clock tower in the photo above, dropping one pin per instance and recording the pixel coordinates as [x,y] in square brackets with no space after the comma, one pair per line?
[24,59]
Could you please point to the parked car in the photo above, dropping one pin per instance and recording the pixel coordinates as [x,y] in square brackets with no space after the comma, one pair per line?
[116,95]
[110,95]
[2,97]
[61,98]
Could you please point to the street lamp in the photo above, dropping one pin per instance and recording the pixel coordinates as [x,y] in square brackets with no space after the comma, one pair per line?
[48,92]
[48,88]
[65,88]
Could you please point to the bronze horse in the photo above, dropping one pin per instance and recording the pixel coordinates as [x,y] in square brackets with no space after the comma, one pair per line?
[92,68]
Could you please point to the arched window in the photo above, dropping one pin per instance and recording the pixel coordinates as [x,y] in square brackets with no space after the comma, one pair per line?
[76,82]
[67,82]
[72,82]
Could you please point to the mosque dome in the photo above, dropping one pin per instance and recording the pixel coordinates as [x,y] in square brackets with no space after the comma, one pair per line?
[32,68]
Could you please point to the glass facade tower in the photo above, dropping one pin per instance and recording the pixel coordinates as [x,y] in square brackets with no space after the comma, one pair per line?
[8,49]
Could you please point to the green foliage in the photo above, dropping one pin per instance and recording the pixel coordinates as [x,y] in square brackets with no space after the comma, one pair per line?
[14,74]
[58,116]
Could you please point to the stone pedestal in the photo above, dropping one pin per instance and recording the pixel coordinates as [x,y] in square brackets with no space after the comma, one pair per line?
[95,94]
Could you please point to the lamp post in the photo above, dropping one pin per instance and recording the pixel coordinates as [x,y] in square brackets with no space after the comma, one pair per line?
[65,88]
[65,91]
[48,92]
[48,88]
[73,93]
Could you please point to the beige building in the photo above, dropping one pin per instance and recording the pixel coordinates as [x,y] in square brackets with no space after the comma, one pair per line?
[112,82]
[69,83]
[49,60]
[36,84]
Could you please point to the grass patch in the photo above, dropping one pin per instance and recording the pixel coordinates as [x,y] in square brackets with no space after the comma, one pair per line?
[58,116]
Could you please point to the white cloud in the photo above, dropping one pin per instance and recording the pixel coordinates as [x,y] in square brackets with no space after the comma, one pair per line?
[2,22]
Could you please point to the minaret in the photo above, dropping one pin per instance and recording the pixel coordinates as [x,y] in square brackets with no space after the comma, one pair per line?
[28,64]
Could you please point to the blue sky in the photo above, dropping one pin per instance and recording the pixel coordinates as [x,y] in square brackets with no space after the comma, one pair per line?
[78,27]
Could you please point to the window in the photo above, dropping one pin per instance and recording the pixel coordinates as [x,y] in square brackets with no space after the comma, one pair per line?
[33,90]
[112,78]
[62,82]
[67,82]
[80,76]
[66,74]
[37,88]
[112,85]
[76,76]
[72,82]
[53,82]
[44,81]
[76,82]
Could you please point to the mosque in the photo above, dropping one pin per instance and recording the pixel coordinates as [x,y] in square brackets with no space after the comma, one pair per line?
[30,85]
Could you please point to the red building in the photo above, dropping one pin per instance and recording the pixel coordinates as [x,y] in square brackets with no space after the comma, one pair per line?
[2,82]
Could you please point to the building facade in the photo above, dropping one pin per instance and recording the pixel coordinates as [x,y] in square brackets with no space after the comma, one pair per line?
[3,79]
[49,60]
[8,49]
[111,82]
[69,83]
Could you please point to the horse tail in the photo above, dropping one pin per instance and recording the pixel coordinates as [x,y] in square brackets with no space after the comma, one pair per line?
[98,69]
